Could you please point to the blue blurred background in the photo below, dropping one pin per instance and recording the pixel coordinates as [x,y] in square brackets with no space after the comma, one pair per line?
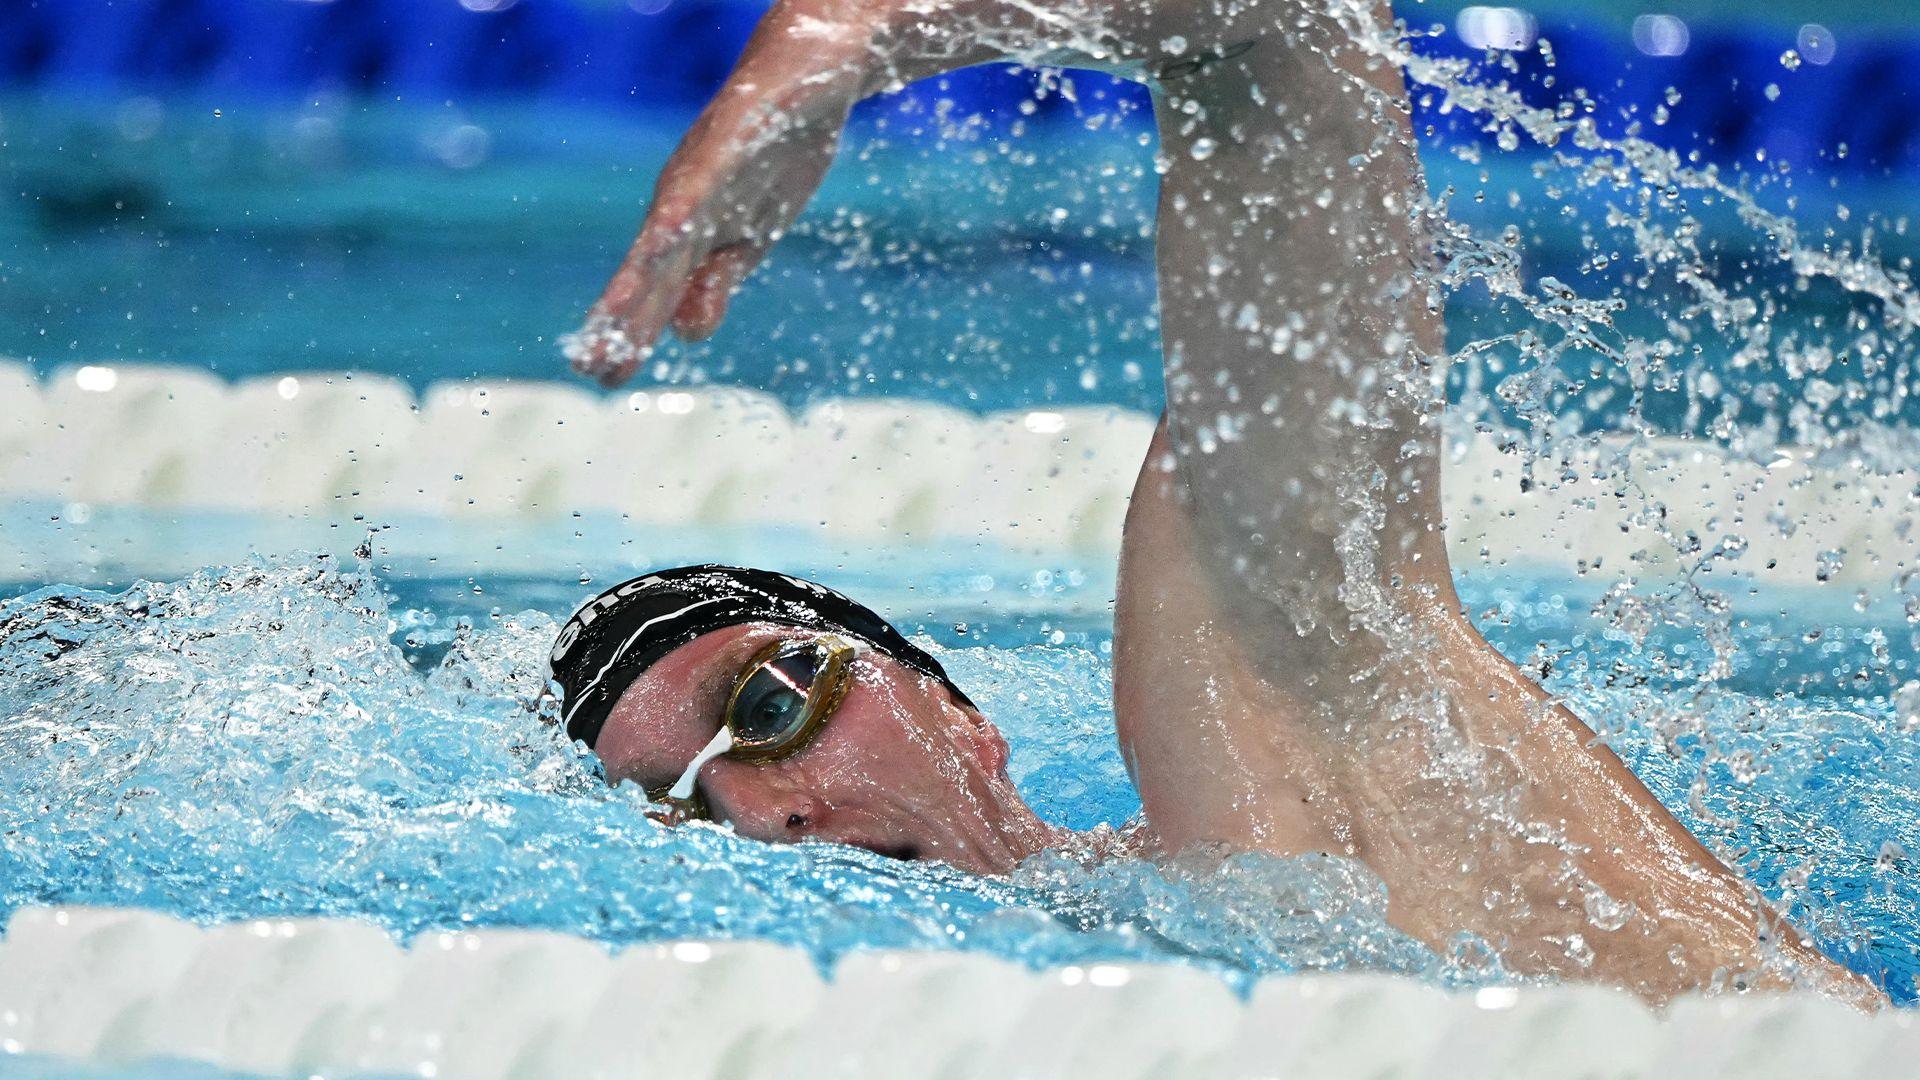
[437,188]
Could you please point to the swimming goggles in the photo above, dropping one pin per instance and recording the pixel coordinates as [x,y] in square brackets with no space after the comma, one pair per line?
[785,693]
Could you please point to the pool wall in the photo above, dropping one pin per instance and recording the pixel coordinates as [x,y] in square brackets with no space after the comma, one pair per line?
[337,998]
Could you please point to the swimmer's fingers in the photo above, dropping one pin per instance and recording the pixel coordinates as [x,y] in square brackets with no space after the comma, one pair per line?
[739,178]
[715,280]
[720,204]
[700,204]
[636,309]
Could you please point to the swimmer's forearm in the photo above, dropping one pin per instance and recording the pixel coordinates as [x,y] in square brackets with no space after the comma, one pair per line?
[1292,320]
[759,149]
[1300,346]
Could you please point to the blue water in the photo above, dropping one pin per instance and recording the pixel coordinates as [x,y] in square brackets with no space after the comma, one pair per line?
[256,740]
[964,266]
[432,244]
[301,737]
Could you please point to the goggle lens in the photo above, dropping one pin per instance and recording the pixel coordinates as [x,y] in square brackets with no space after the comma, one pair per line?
[778,704]
[770,708]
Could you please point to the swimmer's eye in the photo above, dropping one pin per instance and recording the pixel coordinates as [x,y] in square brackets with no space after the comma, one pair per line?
[781,699]
[784,695]
[773,700]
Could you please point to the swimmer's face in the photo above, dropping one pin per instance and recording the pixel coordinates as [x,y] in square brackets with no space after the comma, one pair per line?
[900,768]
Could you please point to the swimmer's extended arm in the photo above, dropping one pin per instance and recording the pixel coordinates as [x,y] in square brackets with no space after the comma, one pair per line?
[1302,354]
[1286,239]
[760,148]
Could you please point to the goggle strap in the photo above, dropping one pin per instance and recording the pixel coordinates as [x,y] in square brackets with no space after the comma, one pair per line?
[722,742]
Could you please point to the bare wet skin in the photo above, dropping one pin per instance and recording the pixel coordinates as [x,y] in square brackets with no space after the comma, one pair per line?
[945,793]
[1293,672]
[1486,808]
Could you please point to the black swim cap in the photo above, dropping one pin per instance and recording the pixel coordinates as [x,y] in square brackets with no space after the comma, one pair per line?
[606,645]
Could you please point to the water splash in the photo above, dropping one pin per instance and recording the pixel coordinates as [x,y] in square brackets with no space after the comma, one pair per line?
[253,742]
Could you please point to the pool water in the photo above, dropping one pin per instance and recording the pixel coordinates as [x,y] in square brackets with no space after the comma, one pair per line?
[303,736]
[435,244]
[955,262]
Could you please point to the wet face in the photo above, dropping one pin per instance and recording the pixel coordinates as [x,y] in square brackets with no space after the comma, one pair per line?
[900,768]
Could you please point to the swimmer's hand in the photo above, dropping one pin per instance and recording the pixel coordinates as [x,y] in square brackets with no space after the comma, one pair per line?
[737,181]
[758,152]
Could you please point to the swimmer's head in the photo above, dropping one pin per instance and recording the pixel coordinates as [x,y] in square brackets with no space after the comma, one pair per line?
[847,732]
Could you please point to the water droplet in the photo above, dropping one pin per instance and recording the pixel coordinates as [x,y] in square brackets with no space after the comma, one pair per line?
[1828,564]
[1203,148]
[1906,707]
[1606,913]
[1817,44]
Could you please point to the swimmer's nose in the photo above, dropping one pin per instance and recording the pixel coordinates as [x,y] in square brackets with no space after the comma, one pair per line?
[764,809]
[783,819]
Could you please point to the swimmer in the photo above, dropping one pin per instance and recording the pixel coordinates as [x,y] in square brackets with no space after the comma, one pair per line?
[1293,672]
